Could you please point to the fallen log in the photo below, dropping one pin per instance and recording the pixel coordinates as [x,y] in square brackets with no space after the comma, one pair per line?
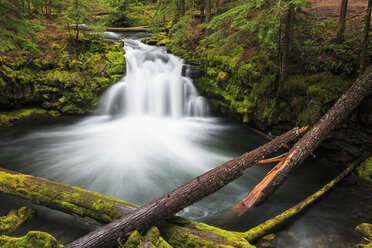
[83,203]
[306,145]
[98,208]
[272,224]
[131,29]
[174,201]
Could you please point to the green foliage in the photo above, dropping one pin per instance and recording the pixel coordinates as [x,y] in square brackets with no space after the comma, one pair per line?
[179,32]
[166,14]
[127,13]
[70,83]
[15,30]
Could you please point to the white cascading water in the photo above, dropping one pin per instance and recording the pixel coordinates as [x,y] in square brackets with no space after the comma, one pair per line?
[153,134]
[157,84]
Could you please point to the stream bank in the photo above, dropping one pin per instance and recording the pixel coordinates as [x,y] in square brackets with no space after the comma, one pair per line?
[62,77]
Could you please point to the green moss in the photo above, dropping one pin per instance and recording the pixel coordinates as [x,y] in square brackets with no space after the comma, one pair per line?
[15,218]
[200,235]
[365,229]
[365,169]
[152,239]
[222,77]
[7,118]
[80,203]
[69,82]
[33,239]
[326,86]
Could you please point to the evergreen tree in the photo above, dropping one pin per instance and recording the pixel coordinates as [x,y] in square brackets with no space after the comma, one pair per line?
[15,30]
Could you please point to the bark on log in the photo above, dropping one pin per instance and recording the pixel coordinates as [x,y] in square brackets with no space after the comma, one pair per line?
[174,201]
[340,110]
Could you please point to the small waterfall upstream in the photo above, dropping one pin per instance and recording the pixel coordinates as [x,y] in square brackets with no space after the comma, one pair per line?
[157,84]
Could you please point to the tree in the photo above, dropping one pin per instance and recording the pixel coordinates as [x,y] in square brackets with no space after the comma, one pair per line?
[286,43]
[15,30]
[79,16]
[341,22]
[364,53]
[182,8]
[208,4]
[361,88]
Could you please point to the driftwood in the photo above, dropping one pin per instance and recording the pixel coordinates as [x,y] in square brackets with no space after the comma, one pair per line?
[306,145]
[174,201]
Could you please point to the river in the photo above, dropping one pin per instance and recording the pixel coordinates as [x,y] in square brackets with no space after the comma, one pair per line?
[153,132]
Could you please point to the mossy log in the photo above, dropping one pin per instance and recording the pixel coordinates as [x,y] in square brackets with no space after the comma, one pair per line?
[98,208]
[360,89]
[82,203]
[277,221]
[172,202]
[15,218]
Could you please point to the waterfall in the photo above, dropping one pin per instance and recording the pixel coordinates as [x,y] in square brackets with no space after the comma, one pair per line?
[157,84]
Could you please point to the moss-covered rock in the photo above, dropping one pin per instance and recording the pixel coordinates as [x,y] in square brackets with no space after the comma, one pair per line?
[365,169]
[15,218]
[152,239]
[69,82]
[33,239]
[8,118]
[365,230]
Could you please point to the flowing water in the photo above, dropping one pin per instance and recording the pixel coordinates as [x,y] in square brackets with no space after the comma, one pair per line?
[154,133]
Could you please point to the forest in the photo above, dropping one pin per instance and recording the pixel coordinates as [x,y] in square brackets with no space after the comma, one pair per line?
[185,123]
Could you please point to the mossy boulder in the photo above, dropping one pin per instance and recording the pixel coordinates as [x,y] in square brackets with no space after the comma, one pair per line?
[365,230]
[152,239]
[8,118]
[365,169]
[33,239]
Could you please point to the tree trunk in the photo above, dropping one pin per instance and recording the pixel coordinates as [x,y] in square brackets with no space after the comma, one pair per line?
[342,108]
[217,7]
[182,7]
[341,22]
[208,4]
[202,8]
[364,53]
[174,201]
[286,45]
